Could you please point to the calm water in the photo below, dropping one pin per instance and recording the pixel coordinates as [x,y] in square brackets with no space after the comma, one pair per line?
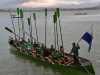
[73,27]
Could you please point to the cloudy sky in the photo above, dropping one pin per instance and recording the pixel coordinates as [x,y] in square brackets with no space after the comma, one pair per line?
[48,3]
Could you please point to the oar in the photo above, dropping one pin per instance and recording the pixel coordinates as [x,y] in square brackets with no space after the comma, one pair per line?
[12,20]
[45,26]
[28,19]
[21,15]
[58,14]
[27,33]
[11,31]
[34,16]
[31,28]
[56,29]
[18,21]
[83,65]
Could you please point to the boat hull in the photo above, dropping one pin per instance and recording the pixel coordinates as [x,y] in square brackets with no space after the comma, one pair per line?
[70,70]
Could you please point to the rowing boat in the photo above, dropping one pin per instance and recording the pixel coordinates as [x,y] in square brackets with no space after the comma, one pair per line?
[73,69]
[85,68]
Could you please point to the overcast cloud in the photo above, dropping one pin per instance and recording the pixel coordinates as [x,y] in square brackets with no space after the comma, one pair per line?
[48,3]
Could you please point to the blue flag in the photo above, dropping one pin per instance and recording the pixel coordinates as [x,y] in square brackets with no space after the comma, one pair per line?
[88,37]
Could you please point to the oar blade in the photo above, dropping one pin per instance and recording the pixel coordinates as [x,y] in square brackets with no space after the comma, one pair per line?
[55,16]
[54,19]
[10,11]
[8,29]
[10,37]
[34,16]
[58,12]
[21,13]
[21,29]
[18,11]
[28,19]
[45,11]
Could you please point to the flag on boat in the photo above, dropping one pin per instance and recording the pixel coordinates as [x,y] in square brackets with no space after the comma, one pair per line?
[88,37]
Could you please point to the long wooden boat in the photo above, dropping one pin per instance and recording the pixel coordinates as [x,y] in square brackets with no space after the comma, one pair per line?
[15,16]
[87,69]
[80,13]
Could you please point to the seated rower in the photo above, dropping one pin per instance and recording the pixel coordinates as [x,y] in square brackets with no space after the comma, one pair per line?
[39,51]
[45,50]
[29,49]
[52,49]
[35,44]
[63,56]
[11,42]
[55,57]
[23,47]
[16,43]
[23,41]
[29,41]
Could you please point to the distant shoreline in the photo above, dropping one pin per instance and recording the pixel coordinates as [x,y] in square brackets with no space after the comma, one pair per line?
[52,9]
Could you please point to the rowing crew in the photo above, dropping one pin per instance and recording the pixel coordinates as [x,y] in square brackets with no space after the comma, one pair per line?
[41,51]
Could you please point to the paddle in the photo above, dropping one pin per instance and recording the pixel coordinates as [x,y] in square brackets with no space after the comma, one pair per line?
[83,65]
[34,16]
[12,19]
[54,21]
[28,19]
[45,26]
[21,15]
[11,31]
[56,29]
[31,28]
[58,14]
[27,33]
[18,20]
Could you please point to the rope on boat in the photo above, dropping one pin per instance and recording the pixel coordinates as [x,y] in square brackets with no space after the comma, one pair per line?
[83,66]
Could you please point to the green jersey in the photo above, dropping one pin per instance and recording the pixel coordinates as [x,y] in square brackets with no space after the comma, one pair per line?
[55,55]
[23,46]
[75,50]
[29,47]
[38,50]
[16,42]
[52,49]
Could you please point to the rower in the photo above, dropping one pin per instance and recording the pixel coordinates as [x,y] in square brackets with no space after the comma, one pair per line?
[11,42]
[39,51]
[29,48]
[23,41]
[29,41]
[55,57]
[63,57]
[52,49]
[23,47]
[35,44]
[16,42]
